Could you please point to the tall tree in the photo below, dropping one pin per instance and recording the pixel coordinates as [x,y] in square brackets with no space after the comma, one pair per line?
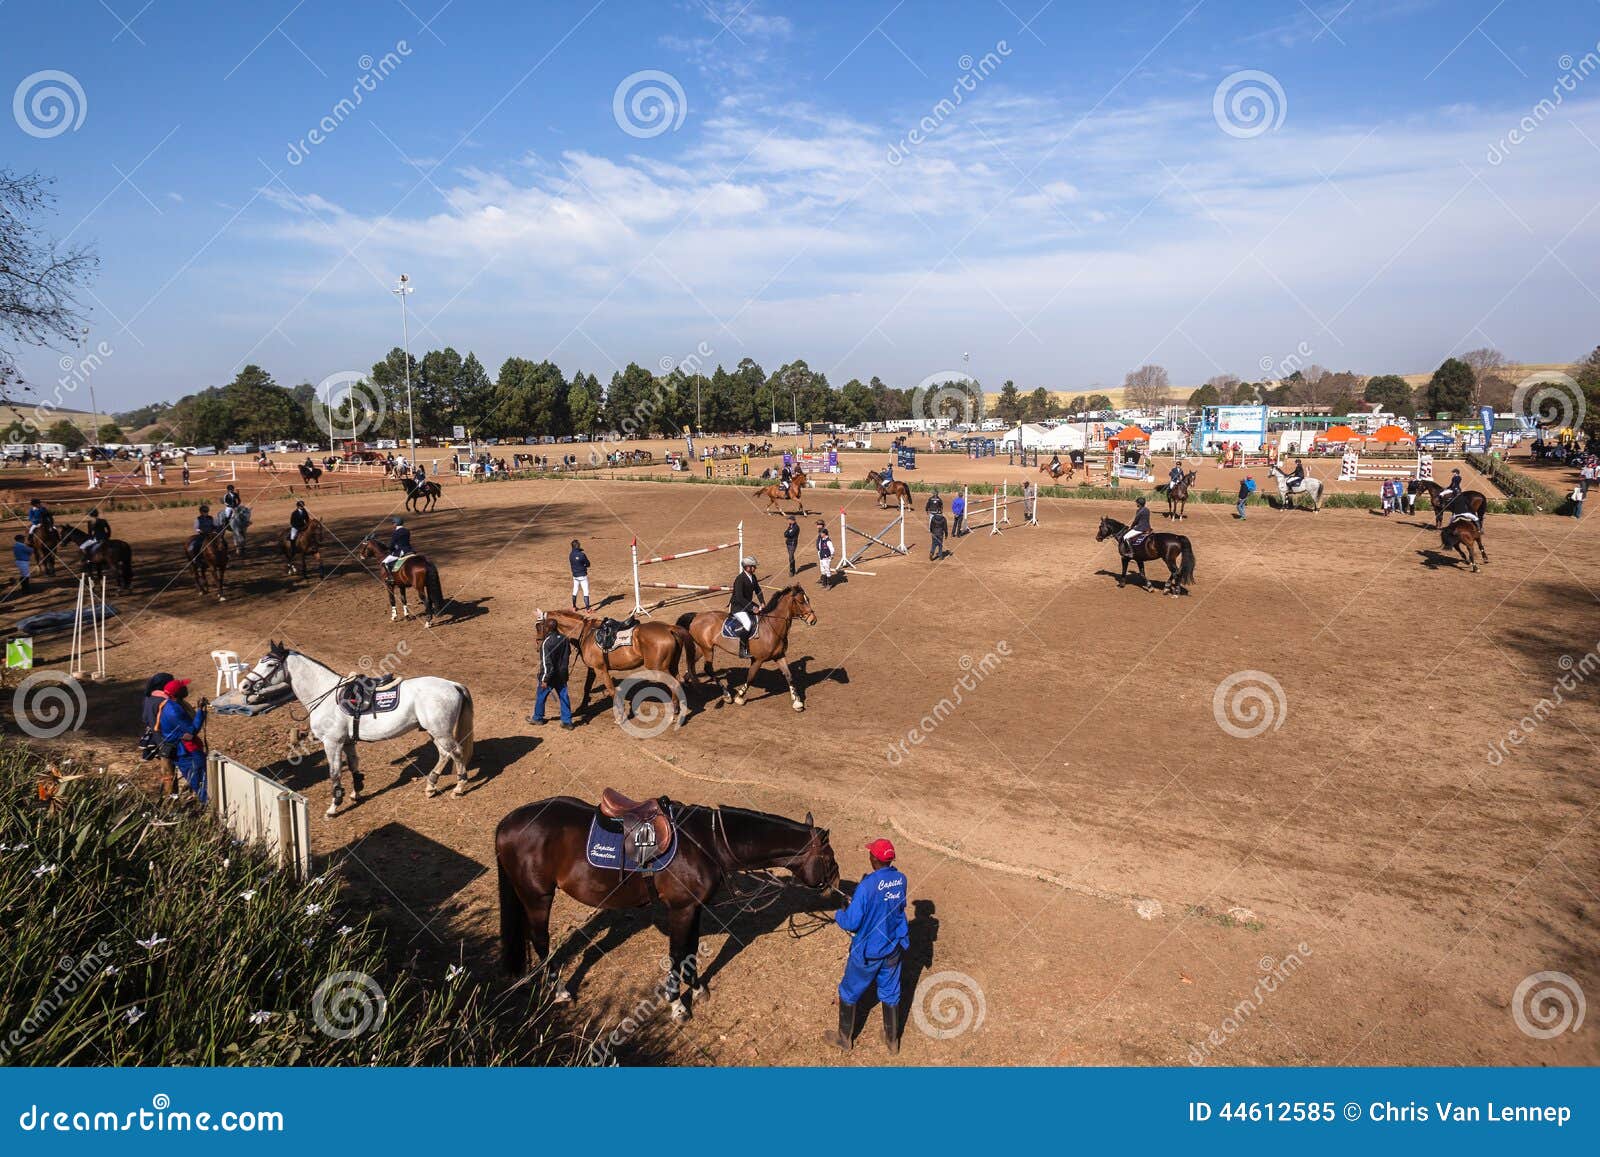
[39,277]
[1451,389]
[1147,388]
[1008,406]
[1389,392]
[1491,384]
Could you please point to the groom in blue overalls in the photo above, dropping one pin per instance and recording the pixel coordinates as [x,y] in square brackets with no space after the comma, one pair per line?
[876,917]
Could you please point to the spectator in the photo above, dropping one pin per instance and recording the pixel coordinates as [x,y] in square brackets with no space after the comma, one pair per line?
[937,529]
[553,646]
[1246,485]
[791,540]
[149,714]
[935,505]
[1577,501]
[179,727]
[23,554]
[578,563]
[958,515]
[824,555]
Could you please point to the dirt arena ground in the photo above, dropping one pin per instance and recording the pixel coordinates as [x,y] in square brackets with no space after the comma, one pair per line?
[1109,871]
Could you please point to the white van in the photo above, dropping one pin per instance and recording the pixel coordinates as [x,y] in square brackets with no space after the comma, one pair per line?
[50,450]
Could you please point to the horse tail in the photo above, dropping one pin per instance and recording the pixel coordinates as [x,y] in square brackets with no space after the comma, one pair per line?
[1185,560]
[513,923]
[125,565]
[686,644]
[435,592]
[463,734]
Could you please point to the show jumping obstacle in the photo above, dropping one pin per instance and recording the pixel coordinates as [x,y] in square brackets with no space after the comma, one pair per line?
[1351,469]
[998,510]
[638,603]
[728,469]
[145,476]
[93,601]
[845,530]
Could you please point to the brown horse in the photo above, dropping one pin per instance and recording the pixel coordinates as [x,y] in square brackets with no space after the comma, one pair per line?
[208,552]
[306,545]
[1178,494]
[113,555]
[1173,549]
[1462,535]
[1467,502]
[421,496]
[542,846]
[884,492]
[656,647]
[44,539]
[1061,470]
[310,476]
[769,644]
[412,573]
[794,492]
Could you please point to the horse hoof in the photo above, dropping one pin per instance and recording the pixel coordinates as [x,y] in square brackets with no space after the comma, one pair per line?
[460,791]
[680,1011]
[429,792]
[333,809]
[799,705]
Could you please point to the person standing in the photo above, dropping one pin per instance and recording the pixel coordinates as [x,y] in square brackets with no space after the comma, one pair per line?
[824,555]
[1577,501]
[934,505]
[155,696]
[791,540]
[22,553]
[186,470]
[876,920]
[1030,503]
[1246,485]
[179,727]
[578,563]
[937,529]
[553,655]
[958,515]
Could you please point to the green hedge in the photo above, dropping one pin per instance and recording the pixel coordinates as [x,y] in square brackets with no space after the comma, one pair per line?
[233,951]
[1524,491]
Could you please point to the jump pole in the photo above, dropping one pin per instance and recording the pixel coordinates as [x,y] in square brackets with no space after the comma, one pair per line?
[96,604]
[849,562]
[999,511]
[638,602]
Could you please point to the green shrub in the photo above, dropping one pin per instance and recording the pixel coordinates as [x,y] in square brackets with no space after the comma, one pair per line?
[1531,495]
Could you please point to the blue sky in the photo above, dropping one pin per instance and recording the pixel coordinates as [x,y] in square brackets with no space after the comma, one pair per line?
[1094,200]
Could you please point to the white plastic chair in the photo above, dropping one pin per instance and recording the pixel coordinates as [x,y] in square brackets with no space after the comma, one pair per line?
[228,670]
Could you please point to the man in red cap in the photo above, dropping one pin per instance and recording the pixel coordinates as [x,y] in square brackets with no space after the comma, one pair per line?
[876,917]
[179,726]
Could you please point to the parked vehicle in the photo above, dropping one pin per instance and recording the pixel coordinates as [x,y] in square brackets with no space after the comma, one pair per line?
[241,448]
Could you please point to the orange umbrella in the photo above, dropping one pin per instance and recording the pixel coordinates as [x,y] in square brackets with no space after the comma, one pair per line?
[1131,434]
[1339,434]
[1392,434]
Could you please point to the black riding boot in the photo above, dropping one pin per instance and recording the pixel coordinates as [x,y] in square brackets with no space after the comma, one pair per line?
[891,1028]
[744,647]
[843,1036]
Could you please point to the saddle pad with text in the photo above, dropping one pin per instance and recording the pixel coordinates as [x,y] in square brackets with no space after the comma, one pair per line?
[605,847]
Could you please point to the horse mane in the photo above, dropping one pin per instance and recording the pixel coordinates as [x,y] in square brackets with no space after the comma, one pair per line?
[773,601]
[745,813]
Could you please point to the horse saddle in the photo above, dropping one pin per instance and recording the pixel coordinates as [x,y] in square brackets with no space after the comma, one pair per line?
[1462,516]
[646,827]
[394,567]
[369,694]
[1133,544]
[614,633]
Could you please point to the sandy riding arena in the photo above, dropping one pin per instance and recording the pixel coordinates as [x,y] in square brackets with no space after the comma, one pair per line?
[1315,811]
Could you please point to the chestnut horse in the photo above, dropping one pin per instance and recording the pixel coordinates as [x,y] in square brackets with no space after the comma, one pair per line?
[208,552]
[1464,533]
[1172,549]
[896,487]
[794,492]
[414,573]
[1178,494]
[769,644]
[656,647]
[541,847]
[1061,470]
[307,545]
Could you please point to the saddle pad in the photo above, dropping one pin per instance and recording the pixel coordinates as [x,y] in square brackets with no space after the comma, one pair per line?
[605,847]
[623,639]
[1463,516]
[730,628]
[386,700]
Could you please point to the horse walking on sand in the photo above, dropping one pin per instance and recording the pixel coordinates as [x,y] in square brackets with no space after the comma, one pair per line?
[1308,486]
[1178,494]
[895,488]
[208,554]
[794,492]
[655,647]
[113,555]
[1173,549]
[769,644]
[441,707]
[541,847]
[413,573]
[305,546]
[421,497]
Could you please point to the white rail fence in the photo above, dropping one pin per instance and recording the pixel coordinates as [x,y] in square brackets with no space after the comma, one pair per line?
[260,810]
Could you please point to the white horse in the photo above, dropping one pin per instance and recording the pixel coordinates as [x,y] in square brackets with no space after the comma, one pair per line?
[236,521]
[440,707]
[1308,485]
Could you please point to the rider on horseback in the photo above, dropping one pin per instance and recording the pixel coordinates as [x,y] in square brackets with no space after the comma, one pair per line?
[1453,489]
[1140,527]
[99,531]
[204,527]
[1298,478]
[230,502]
[299,518]
[886,477]
[1175,475]
[1054,465]
[39,516]
[399,543]
[745,605]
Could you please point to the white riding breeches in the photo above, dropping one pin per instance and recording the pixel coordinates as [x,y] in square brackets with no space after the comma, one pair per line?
[580,585]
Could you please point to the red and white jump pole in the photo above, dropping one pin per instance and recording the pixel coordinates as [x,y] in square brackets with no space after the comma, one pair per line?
[638,602]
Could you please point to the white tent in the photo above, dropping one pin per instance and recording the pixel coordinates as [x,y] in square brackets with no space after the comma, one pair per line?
[1031,436]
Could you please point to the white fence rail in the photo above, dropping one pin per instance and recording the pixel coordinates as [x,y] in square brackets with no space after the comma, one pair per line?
[261,810]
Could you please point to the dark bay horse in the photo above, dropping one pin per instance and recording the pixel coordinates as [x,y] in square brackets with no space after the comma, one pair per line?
[44,539]
[1462,535]
[112,555]
[896,488]
[311,476]
[413,573]
[1173,549]
[208,553]
[769,644]
[541,847]
[421,497]
[1467,502]
[655,647]
[1178,494]
[304,546]
[794,492]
